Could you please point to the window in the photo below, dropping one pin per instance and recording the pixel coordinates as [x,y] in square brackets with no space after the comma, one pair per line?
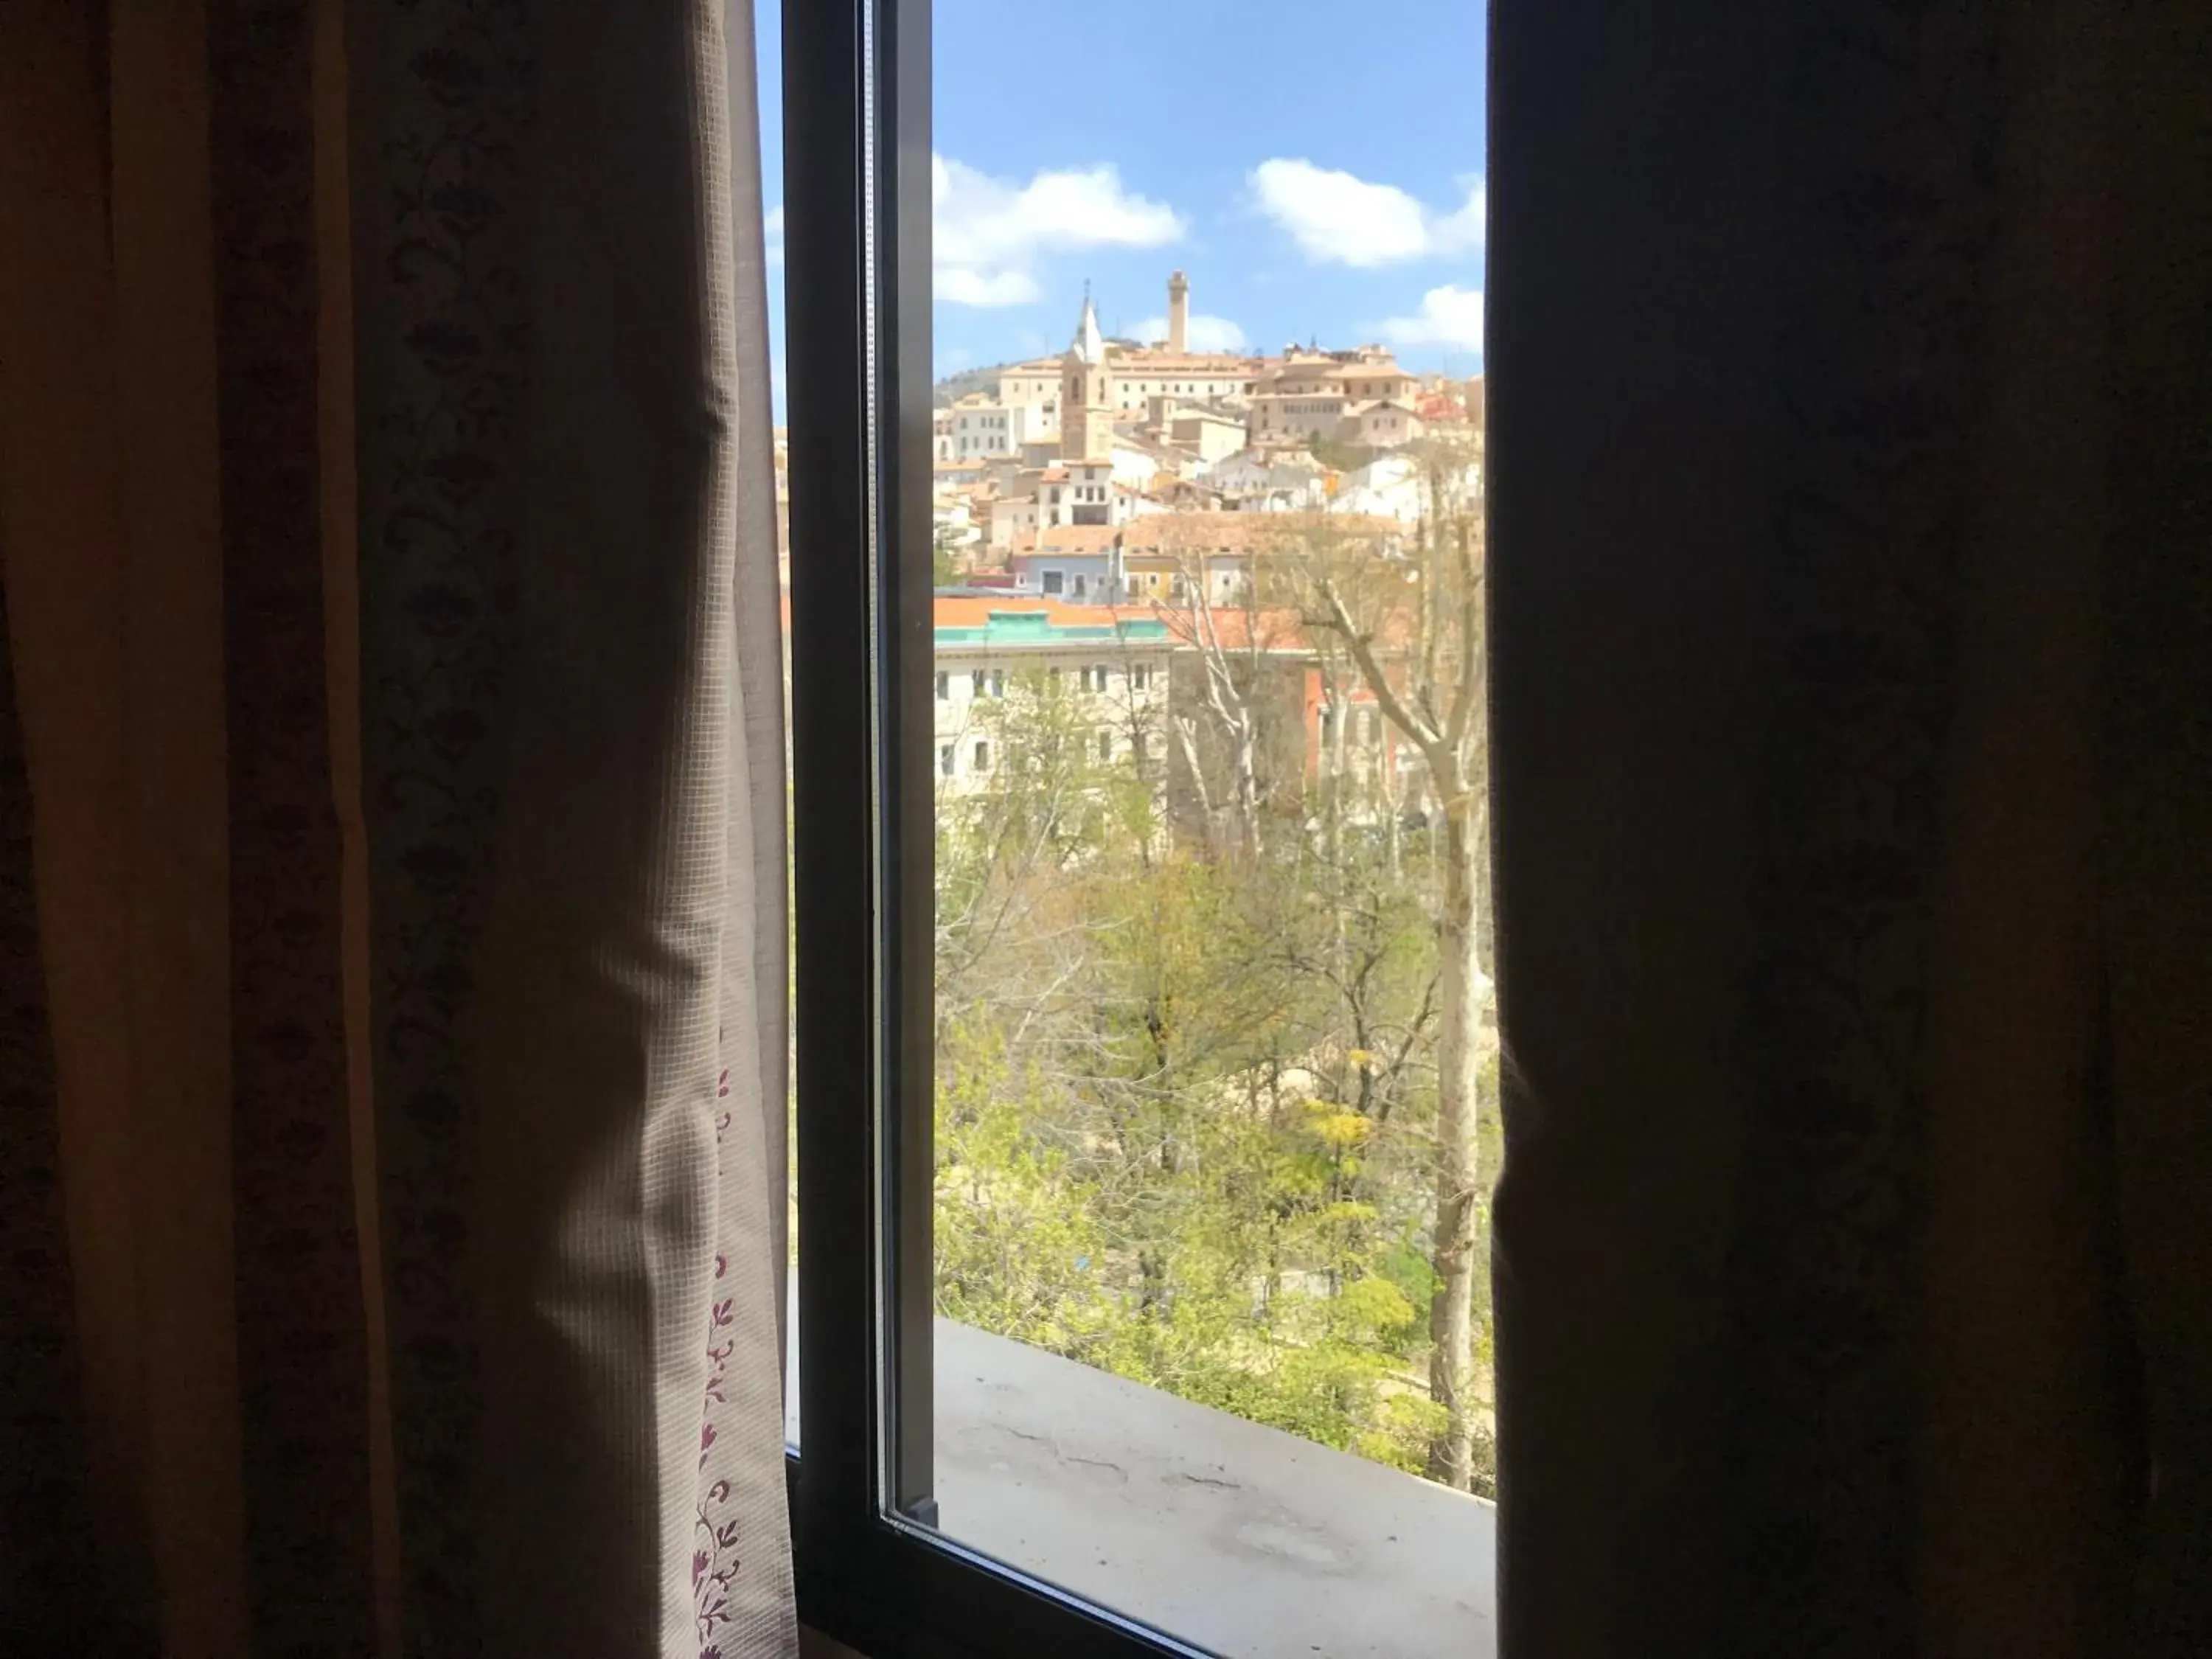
[944,686]
[960,1108]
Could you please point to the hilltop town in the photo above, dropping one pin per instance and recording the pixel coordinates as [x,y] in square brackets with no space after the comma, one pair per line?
[1112,431]
[1104,520]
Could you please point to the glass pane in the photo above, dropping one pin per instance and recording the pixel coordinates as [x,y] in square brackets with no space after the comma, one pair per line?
[768,46]
[1215,1061]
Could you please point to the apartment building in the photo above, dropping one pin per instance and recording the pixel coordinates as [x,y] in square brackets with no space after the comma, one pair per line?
[1013,672]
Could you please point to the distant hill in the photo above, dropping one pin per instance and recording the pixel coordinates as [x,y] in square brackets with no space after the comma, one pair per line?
[953,387]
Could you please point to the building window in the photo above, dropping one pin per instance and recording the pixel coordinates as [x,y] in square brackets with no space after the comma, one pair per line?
[977,688]
[945,757]
[1054,581]
[1079,586]
[1105,745]
[998,682]
[944,686]
[983,756]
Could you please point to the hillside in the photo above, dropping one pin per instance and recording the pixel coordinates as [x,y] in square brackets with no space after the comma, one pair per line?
[955,386]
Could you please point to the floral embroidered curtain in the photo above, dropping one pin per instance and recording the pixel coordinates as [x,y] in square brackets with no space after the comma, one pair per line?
[391,1085]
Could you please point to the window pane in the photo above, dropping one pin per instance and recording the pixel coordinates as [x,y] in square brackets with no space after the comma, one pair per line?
[1216,1067]
[769,83]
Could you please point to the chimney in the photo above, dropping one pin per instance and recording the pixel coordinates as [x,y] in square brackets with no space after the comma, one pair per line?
[1178,311]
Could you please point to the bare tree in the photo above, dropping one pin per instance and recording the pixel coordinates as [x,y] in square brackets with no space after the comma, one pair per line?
[1230,641]
[1421,655]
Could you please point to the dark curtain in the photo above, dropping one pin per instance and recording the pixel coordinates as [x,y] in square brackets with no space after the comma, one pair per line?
[1852,609]
[391,927]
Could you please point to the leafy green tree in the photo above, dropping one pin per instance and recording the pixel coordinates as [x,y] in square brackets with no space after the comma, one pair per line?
[1188,1096]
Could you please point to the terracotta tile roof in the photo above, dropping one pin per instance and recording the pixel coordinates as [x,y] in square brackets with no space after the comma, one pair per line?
[1159,533]
[1067,538]
[960,611]
[1148,360]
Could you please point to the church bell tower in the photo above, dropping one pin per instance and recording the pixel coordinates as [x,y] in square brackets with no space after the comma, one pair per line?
[1087,401]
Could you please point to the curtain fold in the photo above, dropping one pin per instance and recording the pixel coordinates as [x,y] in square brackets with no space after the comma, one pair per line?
[2155,770]
[1852,1247]
[390,836]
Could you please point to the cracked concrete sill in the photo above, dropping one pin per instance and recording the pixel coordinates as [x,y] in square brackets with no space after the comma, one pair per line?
[1244,1539]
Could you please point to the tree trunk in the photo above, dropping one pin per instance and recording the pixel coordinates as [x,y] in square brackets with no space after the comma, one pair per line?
[1459,987]
[1247,784]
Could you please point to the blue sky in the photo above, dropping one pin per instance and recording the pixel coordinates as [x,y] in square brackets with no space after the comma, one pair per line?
[1316,169]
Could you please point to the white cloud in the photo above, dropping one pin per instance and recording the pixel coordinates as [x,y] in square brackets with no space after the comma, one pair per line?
[1338,217]
[988,233]
[1205,333]
[1450,316]
[1469,227]
[772,234]
[960,286]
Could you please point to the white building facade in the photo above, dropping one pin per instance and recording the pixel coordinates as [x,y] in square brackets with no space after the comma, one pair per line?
[1007,675]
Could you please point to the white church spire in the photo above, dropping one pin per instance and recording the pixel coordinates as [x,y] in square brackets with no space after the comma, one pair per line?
[1086,409]
[1088,345]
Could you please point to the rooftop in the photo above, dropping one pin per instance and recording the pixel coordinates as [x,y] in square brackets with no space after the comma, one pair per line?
[1005,622]
[1154,360]
[1067,538]
[1156,533]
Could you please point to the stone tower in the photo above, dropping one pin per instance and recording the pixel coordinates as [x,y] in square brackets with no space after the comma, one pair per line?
[1178,312]
[1087,401]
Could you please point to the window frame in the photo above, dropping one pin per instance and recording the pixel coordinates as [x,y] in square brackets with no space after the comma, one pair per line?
[870,1569]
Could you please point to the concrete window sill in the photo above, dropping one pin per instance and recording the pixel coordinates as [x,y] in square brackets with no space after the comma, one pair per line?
[1244,1539]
